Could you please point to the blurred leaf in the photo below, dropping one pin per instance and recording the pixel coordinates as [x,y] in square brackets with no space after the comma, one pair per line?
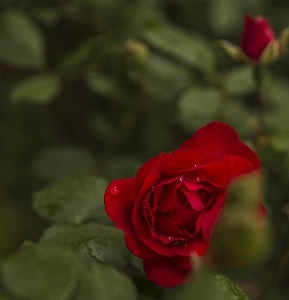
[156,136]
[72,199]
[277,114]
[164,79]
[206,286]
[122,166]
[21,42]
[189,49]
[240,81]
[41,272]
[225,17]
[101,125]
[104,85]
[5,297]
[82,56]
[239,117]
[38,89]
[102,282]
[198,106]
[46,15]
[107,8]
[104,243]
[59,161]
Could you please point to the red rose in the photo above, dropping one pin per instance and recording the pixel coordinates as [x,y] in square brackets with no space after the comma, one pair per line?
[170,209]
[256,37]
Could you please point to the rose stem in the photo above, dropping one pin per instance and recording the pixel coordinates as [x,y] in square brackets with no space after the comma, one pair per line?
[259,79]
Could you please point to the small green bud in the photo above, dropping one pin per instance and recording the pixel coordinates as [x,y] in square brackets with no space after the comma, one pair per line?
[241,238]
[135,53]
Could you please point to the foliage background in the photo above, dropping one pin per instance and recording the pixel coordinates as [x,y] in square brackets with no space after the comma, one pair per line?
[76,97]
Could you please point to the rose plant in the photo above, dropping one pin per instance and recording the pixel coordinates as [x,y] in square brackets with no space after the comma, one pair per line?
[169,210]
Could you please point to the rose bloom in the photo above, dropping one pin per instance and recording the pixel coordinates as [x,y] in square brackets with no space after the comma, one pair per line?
[257,36]
[169,210]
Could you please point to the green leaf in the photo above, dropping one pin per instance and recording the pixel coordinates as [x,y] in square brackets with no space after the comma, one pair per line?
[102,282]
[38,89]
[21,42]
[207,286]
[104,243]
[240,81]
[73,199]
[59,161]
[189,49]
[41,272]
[5,297]
[104,85]
[230,289]
[198,106]
[83,55]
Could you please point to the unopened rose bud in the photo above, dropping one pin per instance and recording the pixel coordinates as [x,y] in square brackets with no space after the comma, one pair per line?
[259,38]
[135,53]
[259,44]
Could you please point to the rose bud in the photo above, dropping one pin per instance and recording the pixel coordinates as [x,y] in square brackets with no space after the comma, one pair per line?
[259,44]
[170,209]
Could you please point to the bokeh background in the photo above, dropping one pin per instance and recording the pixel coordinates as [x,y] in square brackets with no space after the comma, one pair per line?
[100,86]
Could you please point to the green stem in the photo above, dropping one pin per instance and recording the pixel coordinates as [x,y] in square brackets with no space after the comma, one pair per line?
[260,91]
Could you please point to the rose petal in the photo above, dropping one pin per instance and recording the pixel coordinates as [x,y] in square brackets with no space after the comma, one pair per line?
[119,207]
[238,165]
[197,245]
[164,272]
[194,199]
[210,218]
[218,174]
[219,139]
[183,262]
[169,198]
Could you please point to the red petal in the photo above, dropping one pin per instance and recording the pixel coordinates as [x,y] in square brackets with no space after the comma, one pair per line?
[164,272]
[183,262]
[238,165]
[219,139]
[210,218]
[196,244]
[119,207]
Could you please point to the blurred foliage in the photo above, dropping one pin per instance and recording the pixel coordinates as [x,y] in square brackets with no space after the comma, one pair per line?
[91,89]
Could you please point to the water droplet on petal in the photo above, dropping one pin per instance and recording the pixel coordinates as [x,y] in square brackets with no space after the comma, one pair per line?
[186,244]
[114,190]
[136,252]
[201,178]
[176,242]
[155,184]
[171,237]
